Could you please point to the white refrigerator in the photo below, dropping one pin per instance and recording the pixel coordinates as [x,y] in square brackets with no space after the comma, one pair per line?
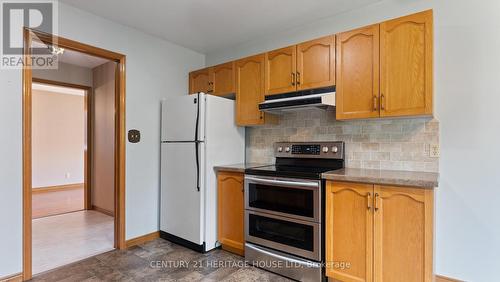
[198,132]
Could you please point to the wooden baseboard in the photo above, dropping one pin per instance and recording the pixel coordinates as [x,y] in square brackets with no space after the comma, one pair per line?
[13,278]
[142,239]
[57,188]
[440,278]
[104,211]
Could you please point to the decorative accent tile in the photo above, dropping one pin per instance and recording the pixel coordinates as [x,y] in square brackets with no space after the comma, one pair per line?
[394,144]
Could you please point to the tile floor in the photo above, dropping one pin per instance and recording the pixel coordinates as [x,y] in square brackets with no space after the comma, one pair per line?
[140,263]
[66,238]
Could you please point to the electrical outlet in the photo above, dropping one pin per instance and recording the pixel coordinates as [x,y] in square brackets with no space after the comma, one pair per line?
[67,175]
[434,151]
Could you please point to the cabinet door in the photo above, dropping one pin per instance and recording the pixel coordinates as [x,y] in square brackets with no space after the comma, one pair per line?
[249,90]
[230,211]
[406,65]
[222,79]
[349,231]
[358,73]
[198,81]
[316,63]
[403,234]
[281,70]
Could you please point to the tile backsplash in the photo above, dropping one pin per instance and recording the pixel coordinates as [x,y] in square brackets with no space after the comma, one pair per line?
[394,144]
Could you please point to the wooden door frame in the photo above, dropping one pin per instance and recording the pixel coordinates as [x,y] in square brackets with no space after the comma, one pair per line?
[87,155]
[28,36]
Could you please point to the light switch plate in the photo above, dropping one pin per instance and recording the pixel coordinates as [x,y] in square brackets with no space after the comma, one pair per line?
[134,136]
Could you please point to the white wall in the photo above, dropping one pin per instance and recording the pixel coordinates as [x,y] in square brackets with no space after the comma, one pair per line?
[103,143]
[58,138]
[466,76]
[155,69]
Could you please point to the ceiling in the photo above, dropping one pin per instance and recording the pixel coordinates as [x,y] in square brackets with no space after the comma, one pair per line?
[208,25]
[81,59]
[75,58]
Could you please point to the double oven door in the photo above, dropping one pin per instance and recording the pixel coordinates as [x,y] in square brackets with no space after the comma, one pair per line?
[284,214]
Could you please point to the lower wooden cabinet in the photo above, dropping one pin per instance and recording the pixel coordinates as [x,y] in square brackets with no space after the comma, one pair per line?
[231,211]
[384,233]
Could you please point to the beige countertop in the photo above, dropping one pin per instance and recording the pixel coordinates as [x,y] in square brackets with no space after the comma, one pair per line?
[427,180]
[237,167]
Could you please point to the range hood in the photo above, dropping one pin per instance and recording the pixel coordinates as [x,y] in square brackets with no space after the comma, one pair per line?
[322,98]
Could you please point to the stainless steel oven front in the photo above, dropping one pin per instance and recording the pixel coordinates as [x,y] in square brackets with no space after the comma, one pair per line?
[284,214]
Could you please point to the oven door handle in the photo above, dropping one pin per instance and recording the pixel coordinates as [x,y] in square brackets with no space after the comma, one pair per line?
[283,182]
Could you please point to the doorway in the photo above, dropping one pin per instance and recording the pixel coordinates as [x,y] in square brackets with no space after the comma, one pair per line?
[118,142]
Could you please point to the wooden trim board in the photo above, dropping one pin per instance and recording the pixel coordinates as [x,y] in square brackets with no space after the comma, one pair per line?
[440,278]
[104,211]
[143,239]
[13,278]
[29,35]
[56,188]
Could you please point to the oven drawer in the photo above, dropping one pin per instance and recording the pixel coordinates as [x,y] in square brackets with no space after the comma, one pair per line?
[294,236]
[295,198]
[283,264]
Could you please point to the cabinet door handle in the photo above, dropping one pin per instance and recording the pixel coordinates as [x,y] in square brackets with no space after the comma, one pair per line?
[298,78]
[293,79]
[368,200]
[374,103]
[382,102]
[376,201]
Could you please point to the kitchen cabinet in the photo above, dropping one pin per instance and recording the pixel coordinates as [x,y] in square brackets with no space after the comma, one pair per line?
[357,66]
[349,231]
[316,63]
[281,70]
[231,211]
[198,81]
[406,65]
[385,70]
[381,70]
[216,80]
[384,232]
[304,66]
[221,79]
[249,75]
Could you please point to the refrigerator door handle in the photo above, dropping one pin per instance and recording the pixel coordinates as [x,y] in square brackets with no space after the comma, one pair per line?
[196,143]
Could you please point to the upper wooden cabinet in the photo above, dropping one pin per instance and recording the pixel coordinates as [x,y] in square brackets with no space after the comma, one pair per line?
[249,75]
[281,70]
[385,70]
[382,70]
[358,73]
[316,63]
[221,79]
[406,65]
[385,232]
[217,80]
[198,81]
[230,211]
[304,66]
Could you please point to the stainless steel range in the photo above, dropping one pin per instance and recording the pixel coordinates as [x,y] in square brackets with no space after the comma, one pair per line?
[284,209]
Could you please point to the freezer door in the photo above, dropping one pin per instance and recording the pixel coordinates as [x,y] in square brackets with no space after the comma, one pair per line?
[182,204]
[181,115]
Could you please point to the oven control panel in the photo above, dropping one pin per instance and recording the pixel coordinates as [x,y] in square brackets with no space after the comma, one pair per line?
[324,150]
